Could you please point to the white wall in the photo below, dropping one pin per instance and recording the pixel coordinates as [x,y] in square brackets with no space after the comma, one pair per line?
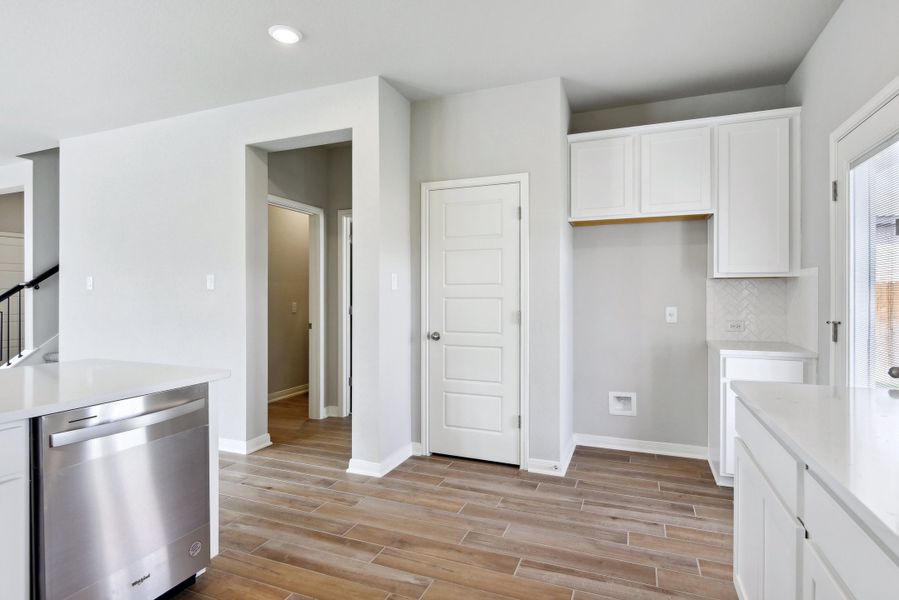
[149,210]
[694,107]
[512,129]
[855,56]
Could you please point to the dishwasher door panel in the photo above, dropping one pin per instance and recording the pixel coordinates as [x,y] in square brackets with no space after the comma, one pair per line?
[125,515]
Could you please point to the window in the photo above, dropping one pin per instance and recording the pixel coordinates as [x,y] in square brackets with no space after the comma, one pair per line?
[874,247]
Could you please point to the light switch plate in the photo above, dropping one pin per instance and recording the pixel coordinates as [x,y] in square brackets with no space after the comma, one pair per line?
[671,314]
[89,283]
[293,307]
[394,281]
[210,281]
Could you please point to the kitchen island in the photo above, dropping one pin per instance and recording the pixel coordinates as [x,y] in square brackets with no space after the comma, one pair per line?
[116,423]
[817,492]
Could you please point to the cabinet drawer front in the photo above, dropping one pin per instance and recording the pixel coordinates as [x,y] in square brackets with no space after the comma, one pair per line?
[602,178]
[778,465]
[13,447]
[862,565]
[762,369]
[818,581]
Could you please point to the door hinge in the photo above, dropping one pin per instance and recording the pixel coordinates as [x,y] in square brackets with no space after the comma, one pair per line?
[834,330]
[349,381]
[519,421]
[519,213]
[350,310]
[310,325]
[518,317]
[833,191]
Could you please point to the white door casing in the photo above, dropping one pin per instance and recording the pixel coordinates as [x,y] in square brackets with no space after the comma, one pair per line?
[473,312]
[872,127]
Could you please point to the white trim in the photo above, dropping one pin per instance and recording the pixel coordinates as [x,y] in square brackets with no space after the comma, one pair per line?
[316,300]
[551,467]
[293,391]
[416,449]
[374,469]
[663,448]
[248,447]
[333,411]
[522,179]
[344,343]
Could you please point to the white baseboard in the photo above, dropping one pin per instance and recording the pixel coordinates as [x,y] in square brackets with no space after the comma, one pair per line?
[297,389]
[333,411]
[416,448]
[553,467]
[245,447]
[379,469]
[664,448]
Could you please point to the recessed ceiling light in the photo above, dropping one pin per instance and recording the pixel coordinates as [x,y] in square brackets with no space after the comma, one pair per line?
[285,34]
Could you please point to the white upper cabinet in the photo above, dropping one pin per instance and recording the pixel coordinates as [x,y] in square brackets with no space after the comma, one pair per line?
[752,225]
[740,171]
[602,178]
[676,171]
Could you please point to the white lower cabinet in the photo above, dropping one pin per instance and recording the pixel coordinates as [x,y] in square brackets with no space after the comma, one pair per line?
[14,510]
[818,581]
[767,536]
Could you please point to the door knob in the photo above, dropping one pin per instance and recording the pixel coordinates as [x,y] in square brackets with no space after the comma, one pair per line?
[893,372]
[435,335]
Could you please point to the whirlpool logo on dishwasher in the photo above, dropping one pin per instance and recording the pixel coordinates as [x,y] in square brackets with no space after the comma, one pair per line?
[137,582]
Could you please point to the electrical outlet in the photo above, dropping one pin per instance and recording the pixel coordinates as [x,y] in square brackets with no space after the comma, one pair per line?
[736,326]
[671,314]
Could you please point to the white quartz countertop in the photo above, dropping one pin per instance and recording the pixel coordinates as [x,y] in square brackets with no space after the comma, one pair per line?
[848,437]
[27,392]
[744,348]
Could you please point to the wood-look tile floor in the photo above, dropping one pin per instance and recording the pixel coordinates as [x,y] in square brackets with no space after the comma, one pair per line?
[621,525]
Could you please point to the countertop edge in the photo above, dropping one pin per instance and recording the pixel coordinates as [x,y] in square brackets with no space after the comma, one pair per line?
[879,531]
[788,350]
[202,376]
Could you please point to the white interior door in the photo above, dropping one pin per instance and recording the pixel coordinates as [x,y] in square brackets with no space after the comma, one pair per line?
[865,286]
[473,317]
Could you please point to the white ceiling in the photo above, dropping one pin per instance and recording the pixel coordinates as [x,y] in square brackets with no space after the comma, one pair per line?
[69,67]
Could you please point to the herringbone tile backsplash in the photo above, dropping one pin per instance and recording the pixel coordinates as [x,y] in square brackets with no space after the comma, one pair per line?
[761,303]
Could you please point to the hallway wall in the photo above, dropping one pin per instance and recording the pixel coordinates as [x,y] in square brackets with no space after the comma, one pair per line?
[288,283]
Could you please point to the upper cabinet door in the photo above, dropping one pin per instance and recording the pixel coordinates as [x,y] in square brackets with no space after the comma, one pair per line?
[753,218]
[602,178]
[675,171]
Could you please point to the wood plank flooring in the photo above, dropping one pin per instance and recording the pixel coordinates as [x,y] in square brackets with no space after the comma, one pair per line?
[620,525]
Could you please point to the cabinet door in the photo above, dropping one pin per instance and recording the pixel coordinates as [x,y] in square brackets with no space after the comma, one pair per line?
[767,536]
[749,519]
[602,178]
[752,222]
[676,171]
[818,582]
[14,556]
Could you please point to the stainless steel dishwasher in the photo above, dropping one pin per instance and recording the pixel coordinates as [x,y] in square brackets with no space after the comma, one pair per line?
[121,497]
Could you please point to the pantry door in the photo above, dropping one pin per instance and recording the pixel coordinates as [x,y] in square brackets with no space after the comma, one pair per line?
[472,322]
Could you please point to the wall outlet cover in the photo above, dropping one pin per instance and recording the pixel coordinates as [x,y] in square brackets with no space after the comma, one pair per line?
[671,314]
[623,404]
[736,325]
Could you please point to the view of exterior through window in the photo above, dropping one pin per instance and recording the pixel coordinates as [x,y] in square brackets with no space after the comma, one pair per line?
[875,204]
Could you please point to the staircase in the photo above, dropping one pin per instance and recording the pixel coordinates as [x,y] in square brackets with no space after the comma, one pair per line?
[12,348]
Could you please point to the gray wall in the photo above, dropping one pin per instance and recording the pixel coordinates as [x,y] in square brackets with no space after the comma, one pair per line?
[288,282]
[514,129]
[625,276]
[45,243]
[694,107]
[12,212]
[855,56]
[320,176]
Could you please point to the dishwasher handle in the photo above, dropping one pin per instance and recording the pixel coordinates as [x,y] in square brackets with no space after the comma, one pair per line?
[74,436]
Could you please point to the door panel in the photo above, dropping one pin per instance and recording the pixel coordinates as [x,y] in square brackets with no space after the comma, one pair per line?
[473,306]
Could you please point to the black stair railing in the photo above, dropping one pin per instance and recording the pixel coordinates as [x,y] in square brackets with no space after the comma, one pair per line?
[6,316]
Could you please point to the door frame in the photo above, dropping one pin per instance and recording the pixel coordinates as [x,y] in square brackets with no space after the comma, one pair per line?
[840,212]
[316,300]
[344,333]
[523,290]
